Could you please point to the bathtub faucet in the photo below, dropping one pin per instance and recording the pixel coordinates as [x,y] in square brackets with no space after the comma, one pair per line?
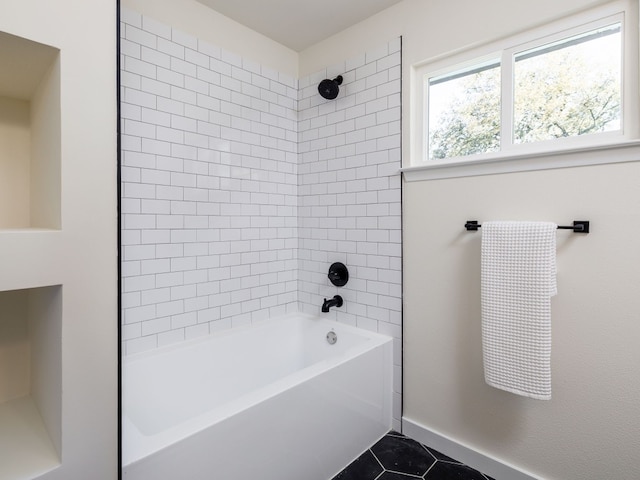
[336,301]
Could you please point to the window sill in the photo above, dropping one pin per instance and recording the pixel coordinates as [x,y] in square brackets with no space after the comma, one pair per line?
[618,152]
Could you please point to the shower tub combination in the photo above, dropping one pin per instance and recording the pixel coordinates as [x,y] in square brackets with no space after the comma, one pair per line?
[274,401]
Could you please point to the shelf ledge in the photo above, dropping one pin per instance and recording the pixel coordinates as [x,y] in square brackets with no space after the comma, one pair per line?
[618,152]
[27,451]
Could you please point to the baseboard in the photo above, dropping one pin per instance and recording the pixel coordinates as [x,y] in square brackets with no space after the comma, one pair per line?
[481,462]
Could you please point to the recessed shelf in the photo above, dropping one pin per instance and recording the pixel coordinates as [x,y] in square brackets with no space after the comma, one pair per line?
[26,448]
[30,381]
[30,146]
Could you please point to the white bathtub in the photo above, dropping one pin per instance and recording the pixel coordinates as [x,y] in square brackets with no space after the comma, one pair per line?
[274,401]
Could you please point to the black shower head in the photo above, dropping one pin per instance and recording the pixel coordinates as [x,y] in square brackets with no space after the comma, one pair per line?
[329,88]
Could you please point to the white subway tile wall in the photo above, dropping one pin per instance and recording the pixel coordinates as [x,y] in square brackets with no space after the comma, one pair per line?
[349,195]
[209,187]
[241,185]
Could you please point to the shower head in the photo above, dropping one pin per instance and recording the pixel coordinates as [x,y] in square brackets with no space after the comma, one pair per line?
[329,89]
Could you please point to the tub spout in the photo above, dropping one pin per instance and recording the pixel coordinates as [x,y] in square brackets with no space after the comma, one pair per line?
[336,301]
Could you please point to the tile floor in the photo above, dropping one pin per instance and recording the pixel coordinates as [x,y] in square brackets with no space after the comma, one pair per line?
[397,457]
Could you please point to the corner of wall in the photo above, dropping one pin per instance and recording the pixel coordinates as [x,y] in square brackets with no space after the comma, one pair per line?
[202,22]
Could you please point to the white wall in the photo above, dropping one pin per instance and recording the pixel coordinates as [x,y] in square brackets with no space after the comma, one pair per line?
[436,27]
[15,139]
[349,194]
[218,173]
[80,251]
[209,176]
[194,18]
[589,429]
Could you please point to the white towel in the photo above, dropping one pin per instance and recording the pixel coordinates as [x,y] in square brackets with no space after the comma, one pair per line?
[518,281]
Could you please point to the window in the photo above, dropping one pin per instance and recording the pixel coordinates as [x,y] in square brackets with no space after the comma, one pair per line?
[569,88]
[464,111]
[556,88]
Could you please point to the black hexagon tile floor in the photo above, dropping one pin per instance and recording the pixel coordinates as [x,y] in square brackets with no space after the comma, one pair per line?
[397,457]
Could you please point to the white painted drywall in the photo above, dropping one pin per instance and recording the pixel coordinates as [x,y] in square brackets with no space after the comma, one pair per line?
[44,319]
[589,428]
[14,346]
[436,27]
[15,139]
[82,255]
[45,151]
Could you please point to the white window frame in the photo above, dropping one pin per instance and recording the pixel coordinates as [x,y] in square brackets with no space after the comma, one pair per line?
[555,153]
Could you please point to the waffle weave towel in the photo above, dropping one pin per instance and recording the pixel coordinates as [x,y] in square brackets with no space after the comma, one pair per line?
[518,280]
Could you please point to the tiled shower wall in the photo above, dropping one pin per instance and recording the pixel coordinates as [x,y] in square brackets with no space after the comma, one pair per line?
[240,186]
[349,197]
[209,187]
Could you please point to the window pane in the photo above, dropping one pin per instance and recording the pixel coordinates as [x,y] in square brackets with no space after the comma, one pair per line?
[569,88]
[464,112]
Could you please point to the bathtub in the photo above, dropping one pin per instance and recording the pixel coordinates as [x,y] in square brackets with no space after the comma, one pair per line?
[274,401]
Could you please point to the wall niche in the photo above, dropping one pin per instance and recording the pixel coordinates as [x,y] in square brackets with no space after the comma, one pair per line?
[29,134]
[30,381]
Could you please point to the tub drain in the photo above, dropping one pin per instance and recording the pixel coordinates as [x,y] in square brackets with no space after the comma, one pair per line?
[332,337]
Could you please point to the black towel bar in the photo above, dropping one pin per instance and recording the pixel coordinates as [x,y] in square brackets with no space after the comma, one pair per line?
[579,226]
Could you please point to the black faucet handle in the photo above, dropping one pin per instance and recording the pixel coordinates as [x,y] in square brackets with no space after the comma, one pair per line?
[338,274]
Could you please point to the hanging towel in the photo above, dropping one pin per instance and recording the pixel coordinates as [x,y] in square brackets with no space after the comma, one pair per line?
[518,280]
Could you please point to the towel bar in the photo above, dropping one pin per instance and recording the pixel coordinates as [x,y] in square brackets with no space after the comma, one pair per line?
[579,226]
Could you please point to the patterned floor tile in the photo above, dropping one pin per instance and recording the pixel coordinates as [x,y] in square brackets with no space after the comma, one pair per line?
[365,467]
[402,454]
[397,457]
[396,476]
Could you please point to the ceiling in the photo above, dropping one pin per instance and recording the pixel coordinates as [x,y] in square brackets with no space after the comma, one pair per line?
[298,24]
